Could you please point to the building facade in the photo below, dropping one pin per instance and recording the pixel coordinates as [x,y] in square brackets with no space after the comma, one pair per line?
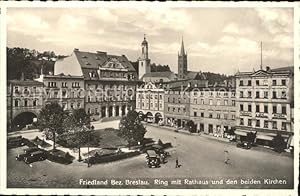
[213,110]
[150,102]
[265,101]
[66,90]
[24,101]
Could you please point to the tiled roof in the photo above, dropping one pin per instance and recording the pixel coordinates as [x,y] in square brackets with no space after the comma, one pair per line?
[164,74]
[25,82]
[196,75]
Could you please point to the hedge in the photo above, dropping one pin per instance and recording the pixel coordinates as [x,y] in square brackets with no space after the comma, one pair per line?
[59,156]
[111,157]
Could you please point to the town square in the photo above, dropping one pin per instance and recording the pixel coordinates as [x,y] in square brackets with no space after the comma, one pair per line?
[141,98]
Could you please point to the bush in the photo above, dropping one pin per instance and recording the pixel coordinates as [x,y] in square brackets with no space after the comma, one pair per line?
[110,157]
[59,156]
[278,143]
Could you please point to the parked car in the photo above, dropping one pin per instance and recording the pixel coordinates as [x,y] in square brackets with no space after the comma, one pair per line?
[152,159]
[244,144]
[31,149]
[35,156]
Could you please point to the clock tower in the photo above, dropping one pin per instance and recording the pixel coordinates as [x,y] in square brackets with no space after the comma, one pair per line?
[144,61]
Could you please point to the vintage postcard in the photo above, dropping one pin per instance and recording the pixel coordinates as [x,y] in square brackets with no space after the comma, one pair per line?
[151,98]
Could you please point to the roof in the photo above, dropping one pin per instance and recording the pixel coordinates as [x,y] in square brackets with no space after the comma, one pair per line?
[281,70]
[195,75]
[163,74]
[289,68]
[25,82]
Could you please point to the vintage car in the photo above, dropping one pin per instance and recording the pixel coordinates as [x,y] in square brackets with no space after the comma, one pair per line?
[152,159]
[27,152]
[244,144]
[35,156]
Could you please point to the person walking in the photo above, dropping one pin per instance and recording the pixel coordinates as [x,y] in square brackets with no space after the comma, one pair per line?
[226,154]
[177,163]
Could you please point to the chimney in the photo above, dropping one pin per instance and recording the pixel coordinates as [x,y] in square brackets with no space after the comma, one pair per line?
[76,49]
[268,68]
[22,76]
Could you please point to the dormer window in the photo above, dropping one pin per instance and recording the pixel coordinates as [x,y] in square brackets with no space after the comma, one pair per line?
[87,63]
[84,57]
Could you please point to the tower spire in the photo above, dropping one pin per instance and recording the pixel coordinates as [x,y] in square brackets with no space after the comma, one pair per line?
[182,52]
[261,55]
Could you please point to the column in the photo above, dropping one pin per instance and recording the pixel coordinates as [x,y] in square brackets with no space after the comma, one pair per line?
[113,111]
[106,111]
[120,110]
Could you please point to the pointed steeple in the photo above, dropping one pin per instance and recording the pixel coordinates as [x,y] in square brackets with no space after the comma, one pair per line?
[182,52]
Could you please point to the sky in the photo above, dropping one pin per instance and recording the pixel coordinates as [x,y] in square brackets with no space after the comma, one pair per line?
[220,40]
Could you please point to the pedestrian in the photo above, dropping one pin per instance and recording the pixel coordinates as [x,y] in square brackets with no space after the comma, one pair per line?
[226,153]
[177,164]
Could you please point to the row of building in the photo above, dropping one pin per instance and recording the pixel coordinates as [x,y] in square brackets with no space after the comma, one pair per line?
[110,85]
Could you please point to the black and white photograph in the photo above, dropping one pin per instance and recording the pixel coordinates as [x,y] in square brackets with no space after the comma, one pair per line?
[150,97]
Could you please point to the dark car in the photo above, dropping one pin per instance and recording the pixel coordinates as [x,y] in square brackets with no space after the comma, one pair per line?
[28,151]
[31,149]
[152,159]
[35,156]
[244,144]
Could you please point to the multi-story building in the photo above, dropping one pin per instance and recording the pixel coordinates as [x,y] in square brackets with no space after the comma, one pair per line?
[213,110]
[159,77]
[177,107]
[109,81]
[24,101]
[150,102]
[265,100]
[66,90]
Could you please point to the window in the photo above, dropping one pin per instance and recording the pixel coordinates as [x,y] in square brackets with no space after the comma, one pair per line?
[283,110]
[195,114]
[195,101]
[266,124]
[257,123]
[241,121]
[210,115]
[25,103]
[34,103]
[257,94]
[257,82]
[265,82]
[225,102]
[210,102]
[274,83]
[78,105]
[283,82]
[266,95]
[242,107]
[218,102]
[179,100]
[241,94]
[202,101]
[274,125]
[168,109]
[16,89]
[249,108]
[257,108]
[160,96]
[283,94]
[218,116]
[72,106]
[184,110]
[225,116]
[233,102]
[283,126]
[16,103]
[249,82]
[274,109]
[241,83]
[249,94]
[249,123]
[202,114]
[274,95]
[266,109]
[233,117]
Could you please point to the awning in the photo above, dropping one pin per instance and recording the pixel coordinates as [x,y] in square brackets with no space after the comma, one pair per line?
[264,137]
[242,133]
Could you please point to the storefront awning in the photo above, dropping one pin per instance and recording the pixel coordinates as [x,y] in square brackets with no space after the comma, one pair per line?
[242,133]
[264,137]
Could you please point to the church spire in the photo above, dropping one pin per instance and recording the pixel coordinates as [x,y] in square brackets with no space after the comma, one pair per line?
[182,52]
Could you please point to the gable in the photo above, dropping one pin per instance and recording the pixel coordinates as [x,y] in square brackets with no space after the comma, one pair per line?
[260,73]
[113,63]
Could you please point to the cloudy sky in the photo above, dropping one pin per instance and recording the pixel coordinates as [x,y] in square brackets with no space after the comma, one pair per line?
[220,40]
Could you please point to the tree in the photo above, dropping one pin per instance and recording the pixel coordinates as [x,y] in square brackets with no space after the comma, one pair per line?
[191,126]
[51,120]
[278,143]
[78,128]
[131,128]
